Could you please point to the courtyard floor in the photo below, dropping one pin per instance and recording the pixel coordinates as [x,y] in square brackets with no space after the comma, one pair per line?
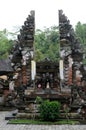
[5,126]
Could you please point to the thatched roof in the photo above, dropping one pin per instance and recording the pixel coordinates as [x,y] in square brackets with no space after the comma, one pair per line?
[5,67]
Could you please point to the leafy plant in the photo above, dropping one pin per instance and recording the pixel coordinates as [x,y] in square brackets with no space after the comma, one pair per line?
[49,111]
[38,100]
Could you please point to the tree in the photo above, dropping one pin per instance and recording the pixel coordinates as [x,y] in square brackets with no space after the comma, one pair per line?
[80,30]
[5,44]
[47,44]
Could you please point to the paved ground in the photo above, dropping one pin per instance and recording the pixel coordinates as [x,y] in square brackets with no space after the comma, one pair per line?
[5,126]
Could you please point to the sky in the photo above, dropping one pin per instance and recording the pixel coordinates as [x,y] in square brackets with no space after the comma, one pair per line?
[13,13]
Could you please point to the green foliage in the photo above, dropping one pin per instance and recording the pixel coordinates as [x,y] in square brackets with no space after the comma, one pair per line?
[5,44]
[47,44]
[39,55]
[80,30]
[84,61]
[49,111]
[39,100]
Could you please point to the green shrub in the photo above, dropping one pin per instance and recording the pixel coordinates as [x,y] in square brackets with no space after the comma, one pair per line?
[49,111]
[39,100]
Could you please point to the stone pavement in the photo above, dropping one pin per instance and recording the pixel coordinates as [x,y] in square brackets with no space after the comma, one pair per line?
[5,126]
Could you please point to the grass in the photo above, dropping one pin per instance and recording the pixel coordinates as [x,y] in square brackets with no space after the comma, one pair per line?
[71,122]
[39,122]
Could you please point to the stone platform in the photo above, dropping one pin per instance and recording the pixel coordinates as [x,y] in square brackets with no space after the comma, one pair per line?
[5,126]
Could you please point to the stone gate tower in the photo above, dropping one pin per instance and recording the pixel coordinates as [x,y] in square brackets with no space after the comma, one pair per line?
[23,52]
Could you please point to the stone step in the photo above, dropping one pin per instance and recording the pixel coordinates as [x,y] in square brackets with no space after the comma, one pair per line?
[9,116]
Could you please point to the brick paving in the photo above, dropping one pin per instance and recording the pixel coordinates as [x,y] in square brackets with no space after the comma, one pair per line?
[5,126]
